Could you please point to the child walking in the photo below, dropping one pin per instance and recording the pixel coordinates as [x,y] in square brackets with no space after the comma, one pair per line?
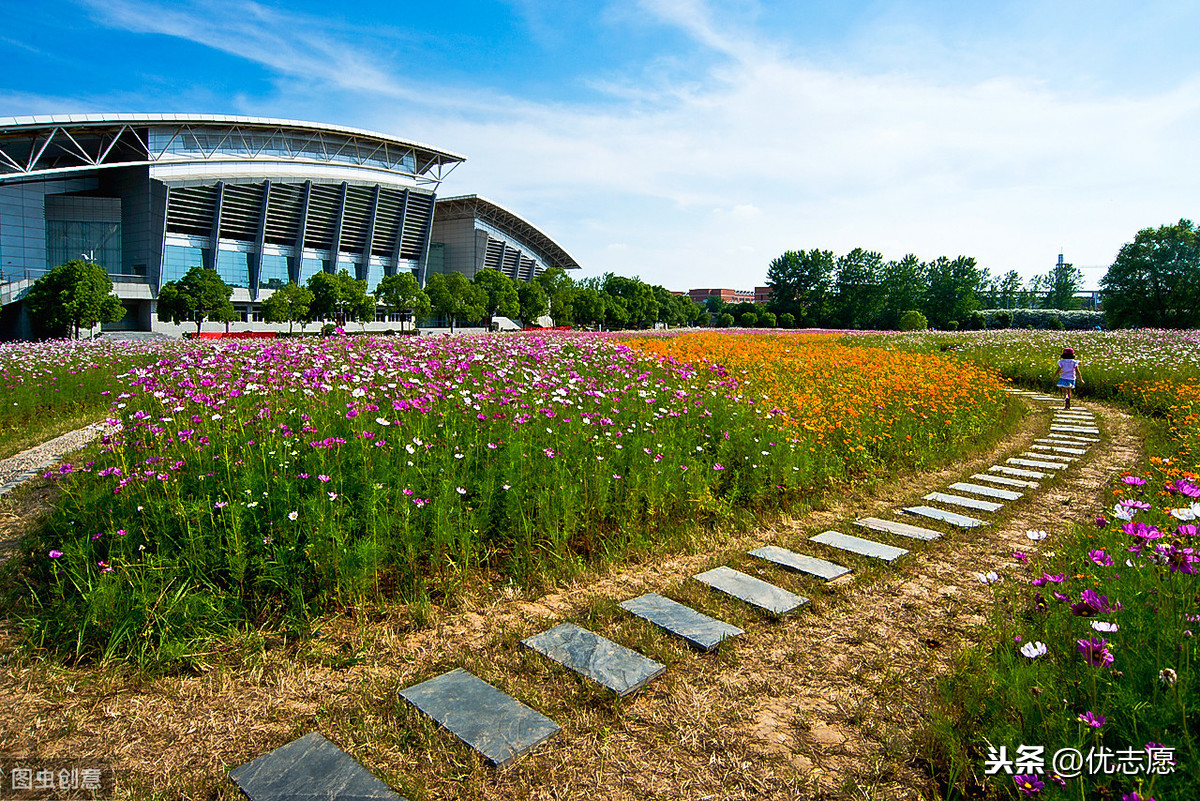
[1068,374]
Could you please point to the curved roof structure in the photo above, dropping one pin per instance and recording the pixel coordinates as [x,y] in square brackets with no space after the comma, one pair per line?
[450,208]
[55,145]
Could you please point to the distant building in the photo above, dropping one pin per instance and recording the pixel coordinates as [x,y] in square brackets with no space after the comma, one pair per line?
[262,201]
[733,296]
[473,234]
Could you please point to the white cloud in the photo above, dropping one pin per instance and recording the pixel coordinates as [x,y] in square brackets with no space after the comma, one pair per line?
[795,154]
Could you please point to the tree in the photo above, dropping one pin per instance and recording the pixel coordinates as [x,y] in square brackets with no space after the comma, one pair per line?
[640,308]
[725,320]
[456,298]
[532,299]
[1155,279]
[588,306]
[953,289]
[741,310]
[786,320]
[288,304]
[800,284]
[560,294]
[502,296]
[767,320]
[903,289]
[340,297]
[402,293]
[1008,290]
[198,296]
[714,305]
[858,300]
[1063,281]
[71,296]
[748,319]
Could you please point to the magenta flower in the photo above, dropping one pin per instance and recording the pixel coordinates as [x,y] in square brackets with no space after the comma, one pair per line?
[1029,783]
[1020,556]
[1092,720]
[1136,796]
[1141,531]
[1100,558]
[1101,521]
[1090,603]
[1095,652]
[1135,481]
[55,554]
[1185,487]
[1186,530]
[718,466]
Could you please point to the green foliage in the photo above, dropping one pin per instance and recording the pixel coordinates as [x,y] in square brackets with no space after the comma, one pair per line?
[502,297]
[749,319]
[904,289]
[859,292]
[999,319]
[1061,285]
[200,295]
[1045,319]
[560,294]
[71,296]
[913,320]
[589,306]
[713,304]
[533,303]
[340,297]
[455,298]
[787,320]
[767,320]
[402,293]
[288,304]
[725,320]
[1155,280]
[637,306]
[953,288]
[801,284]
[976,321]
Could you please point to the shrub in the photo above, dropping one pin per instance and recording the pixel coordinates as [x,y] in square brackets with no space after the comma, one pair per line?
[766,320]
[952,325]
[1000,319]
[787,320]
[749,319]
[976,322]
[725,320]
[913,321]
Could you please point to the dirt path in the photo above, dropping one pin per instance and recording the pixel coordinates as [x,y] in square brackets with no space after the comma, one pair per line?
[823,704]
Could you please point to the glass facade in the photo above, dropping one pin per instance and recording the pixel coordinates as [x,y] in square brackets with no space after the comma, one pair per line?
[178,259]
[310,267]
[274,271]
[374,276]
[99,242]
[234,267]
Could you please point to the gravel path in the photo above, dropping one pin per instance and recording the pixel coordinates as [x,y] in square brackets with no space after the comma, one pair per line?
[18,469]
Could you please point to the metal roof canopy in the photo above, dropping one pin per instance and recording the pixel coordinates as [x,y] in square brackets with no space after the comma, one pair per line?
[39,146]
[459,206]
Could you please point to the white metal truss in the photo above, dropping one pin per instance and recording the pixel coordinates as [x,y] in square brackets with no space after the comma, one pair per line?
[44,150]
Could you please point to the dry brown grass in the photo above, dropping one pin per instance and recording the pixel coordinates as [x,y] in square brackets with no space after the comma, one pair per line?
[824,704]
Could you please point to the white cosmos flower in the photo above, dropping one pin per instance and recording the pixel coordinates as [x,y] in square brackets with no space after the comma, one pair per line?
[991,577]
[1036,535]
[1034,649]
[382,421]
[1101,625]
[1124,512]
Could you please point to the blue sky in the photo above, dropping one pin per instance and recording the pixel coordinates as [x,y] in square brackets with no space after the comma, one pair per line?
[686,142]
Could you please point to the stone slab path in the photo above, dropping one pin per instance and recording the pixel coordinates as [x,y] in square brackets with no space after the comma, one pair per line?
[953,518]
[496,725]
[860,546]
[594,657]
[893,527]
[696,628]
[800,562]
[753,591]
[307,769]
[987,492]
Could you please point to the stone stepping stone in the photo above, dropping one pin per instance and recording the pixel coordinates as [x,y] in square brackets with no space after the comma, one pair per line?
[1073,440]
[1008,482]
[800,562]
[987,492]
[1075,429]
[310,768]
[755,592]
[1037,463]
[1067,416]
[603,661]
[700,630]
[968,503]
[1057,448]
[953,518]
[1057,457]
[903,529]
[496,725]
[1016,471]
[859,546]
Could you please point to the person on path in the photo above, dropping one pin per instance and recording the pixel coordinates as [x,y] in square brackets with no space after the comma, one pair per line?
[1068,374]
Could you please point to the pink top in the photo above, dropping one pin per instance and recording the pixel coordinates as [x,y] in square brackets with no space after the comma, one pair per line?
[1067,366]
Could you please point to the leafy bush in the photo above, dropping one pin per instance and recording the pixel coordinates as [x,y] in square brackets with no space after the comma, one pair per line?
[1076,320]
[1000,319]
[913,321]
[952,325]
[725,320]
[976,322]
[749,319]
[767,320]
[787,320]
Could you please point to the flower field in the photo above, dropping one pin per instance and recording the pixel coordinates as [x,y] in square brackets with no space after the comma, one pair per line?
[270,484]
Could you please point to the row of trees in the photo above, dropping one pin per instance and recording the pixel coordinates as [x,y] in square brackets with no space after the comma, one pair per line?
[861,290]
[609,301]
[1155,280]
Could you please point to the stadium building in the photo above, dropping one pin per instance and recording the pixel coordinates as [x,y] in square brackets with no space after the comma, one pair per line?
[261,201]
